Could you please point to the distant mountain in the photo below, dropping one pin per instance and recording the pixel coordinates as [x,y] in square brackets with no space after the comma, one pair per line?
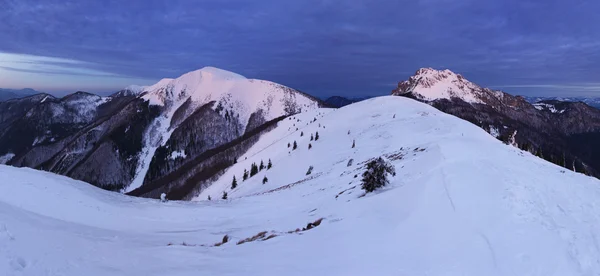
[593,102]
[132,90]
[173,136]
[565,133]
[339,101]
[7,94]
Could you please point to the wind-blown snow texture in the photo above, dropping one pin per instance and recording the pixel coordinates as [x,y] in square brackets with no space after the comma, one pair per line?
[461,203]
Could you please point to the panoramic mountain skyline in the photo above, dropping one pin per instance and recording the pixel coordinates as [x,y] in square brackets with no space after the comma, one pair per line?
[348,48]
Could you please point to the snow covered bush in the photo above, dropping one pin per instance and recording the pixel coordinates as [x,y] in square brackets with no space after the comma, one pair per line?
[309,170]
[376,174]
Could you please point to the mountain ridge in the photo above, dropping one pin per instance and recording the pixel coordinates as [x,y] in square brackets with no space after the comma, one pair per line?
[554,136]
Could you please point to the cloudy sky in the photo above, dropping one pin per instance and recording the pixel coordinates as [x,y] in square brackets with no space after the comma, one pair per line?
[323,47]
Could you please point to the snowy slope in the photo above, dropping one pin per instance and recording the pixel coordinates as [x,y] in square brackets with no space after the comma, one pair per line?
[462,203]
[230,92]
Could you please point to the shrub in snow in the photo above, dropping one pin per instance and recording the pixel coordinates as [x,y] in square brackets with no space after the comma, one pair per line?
[317,136]
[301,133]
[353,143]
[312,137]
[233,183]
[310,169]
[209,197]
[288,145]
[295,145]
[163,197]
[224,195]
[376,174]
[309,146]
[265,180]
[269,165]
[350,162]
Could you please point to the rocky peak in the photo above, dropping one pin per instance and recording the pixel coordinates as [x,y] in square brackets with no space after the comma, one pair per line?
[429,84]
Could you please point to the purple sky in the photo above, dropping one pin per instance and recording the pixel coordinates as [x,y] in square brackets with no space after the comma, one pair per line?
[336,47]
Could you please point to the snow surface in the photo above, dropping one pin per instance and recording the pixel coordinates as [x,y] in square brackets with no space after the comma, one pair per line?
[550,107]
[178,154]
[6,157]
[461,203]
[232,91]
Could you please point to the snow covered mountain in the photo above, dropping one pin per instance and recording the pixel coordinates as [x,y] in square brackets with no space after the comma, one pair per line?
[593,102]
[132,90]
[174,135]
[565,133]
[449,210]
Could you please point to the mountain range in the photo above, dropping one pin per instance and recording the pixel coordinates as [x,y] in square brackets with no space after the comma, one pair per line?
[7,94]
[174,136]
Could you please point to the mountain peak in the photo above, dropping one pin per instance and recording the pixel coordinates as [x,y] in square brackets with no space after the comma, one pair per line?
[430,84]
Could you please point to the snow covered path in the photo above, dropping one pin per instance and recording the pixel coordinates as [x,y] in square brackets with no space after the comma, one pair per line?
[462,203]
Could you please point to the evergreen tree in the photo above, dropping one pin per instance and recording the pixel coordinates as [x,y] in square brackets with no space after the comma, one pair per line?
[224,195]
[353,143]
[245,175]
[253,170]
[234,160]
[209,197]
[376,174]
[288,145]
[317,136]
[265,179]
[301,133]
[233,183]
[262,165]
[295,145]
[309,146]
[312,137]
[269,165]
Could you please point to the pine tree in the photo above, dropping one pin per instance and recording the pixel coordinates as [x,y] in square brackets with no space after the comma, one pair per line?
[312,137]
[317,136]
[265,179]
[353,143]
[209,197]
[295,145]
[234,160]
[301,133]
[224,195]
[233,183]
[245,175]
[269,165]
[262,165]
[309,146]
[253,169]
[376,174]
[288,145]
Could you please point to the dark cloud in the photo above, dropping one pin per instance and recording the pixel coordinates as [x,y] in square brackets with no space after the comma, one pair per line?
[346,47]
